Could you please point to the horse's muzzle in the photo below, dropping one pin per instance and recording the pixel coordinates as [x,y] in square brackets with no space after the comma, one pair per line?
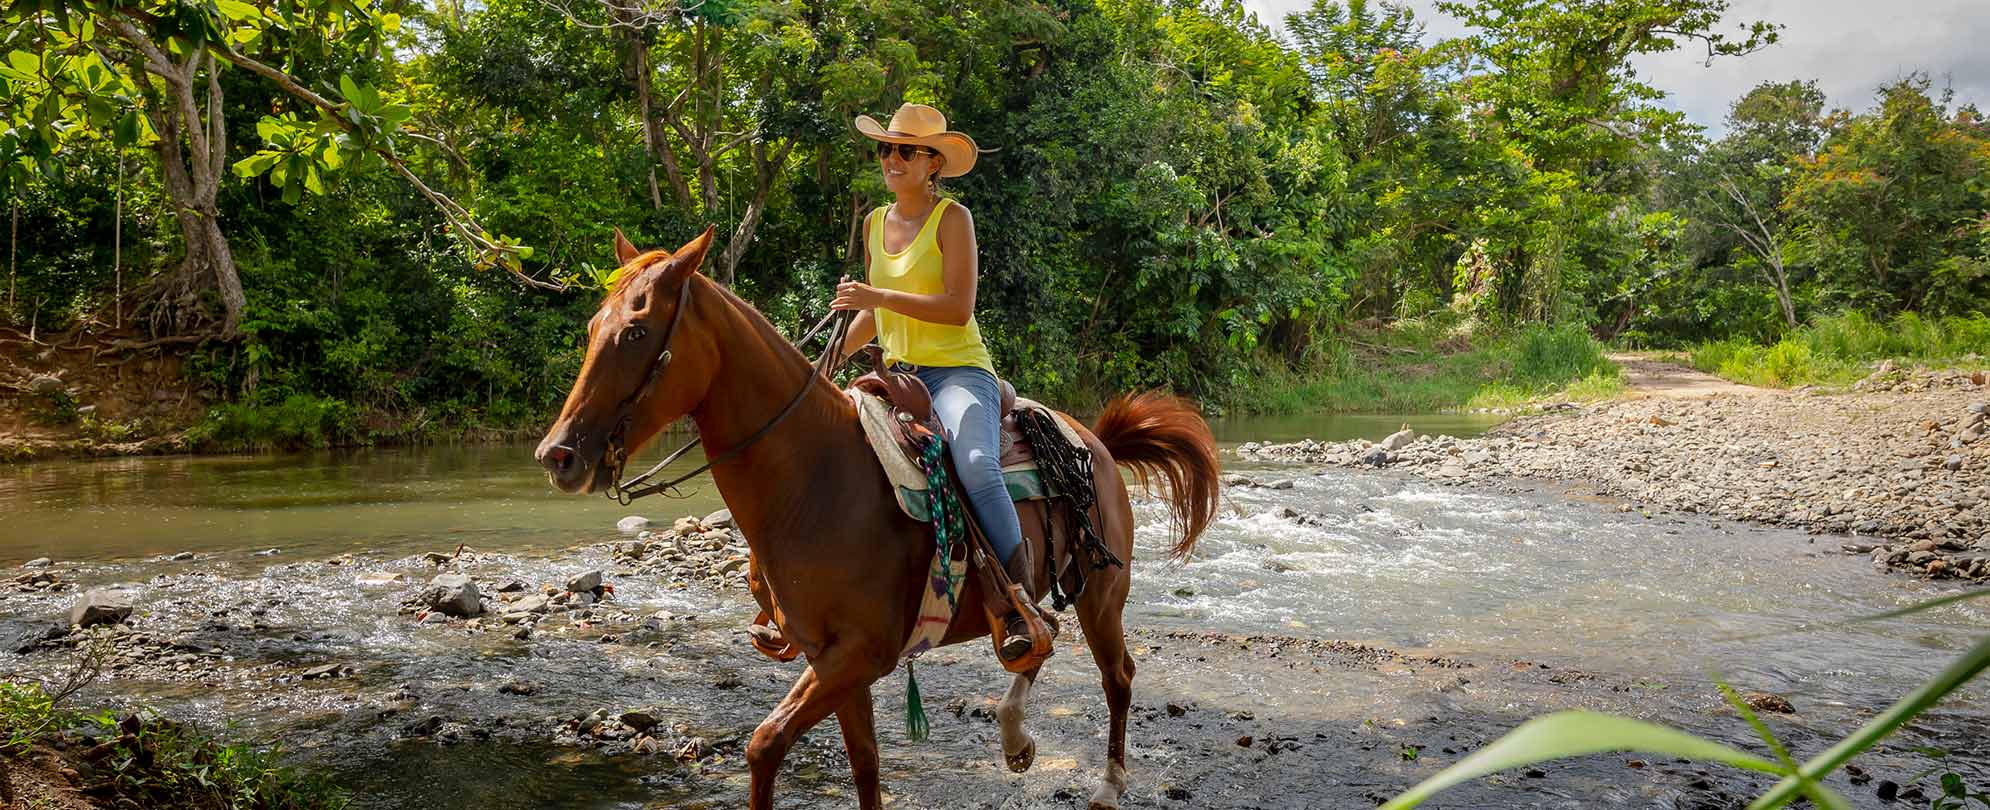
[567,467]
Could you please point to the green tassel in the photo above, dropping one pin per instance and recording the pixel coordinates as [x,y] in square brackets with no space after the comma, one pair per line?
[916,726]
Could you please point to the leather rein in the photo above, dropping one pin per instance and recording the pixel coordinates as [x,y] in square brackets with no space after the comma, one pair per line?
[616,454]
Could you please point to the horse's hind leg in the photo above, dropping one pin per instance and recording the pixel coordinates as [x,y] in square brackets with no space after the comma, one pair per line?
[1018,747]
[860,743]
[1099,614]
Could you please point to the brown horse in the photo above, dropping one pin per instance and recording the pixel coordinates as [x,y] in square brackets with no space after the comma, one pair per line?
[830,547]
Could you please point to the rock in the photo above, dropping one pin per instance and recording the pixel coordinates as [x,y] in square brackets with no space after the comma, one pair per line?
[640,720]
[269,552]
[536,603]
[520,688]
[1953,462]
[582,599]
[181,557]
[436,558]
[327,671]
[1176,710]
[45,384]
[100,607]
[1768,703]
[435,617]
[584,583]
[687,525]
[1399,439]
[1284,484]
[454,595]
[721,519]
[1376,457]
[512,586]
[380,578]
[1979,407]
[38,562]
[632,524]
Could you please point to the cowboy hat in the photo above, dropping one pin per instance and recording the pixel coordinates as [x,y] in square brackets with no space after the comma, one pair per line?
[924,126]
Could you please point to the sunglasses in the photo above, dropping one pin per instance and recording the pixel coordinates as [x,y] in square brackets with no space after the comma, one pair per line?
[906,151]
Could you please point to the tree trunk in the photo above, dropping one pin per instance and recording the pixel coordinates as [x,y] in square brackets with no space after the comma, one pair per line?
[192,160]
[763,182]
[653,136]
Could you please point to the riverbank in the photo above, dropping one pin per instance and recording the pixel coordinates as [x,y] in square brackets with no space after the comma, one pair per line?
[1900,464]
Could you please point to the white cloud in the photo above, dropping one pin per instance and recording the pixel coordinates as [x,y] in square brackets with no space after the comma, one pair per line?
[1850,47]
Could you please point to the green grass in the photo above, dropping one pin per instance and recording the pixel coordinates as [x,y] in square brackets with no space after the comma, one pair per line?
[299,422]
[1838,350]
[158,763]
[1430,364]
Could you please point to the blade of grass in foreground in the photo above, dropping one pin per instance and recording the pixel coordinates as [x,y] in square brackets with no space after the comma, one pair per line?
[1575,733]
[1968,666]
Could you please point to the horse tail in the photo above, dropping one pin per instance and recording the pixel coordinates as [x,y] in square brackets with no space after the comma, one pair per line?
[1164,435]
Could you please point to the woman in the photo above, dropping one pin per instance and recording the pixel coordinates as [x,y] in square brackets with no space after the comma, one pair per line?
[919,304]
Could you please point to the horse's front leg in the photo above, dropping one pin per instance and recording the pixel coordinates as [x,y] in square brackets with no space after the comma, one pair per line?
[823,688]
[860,744]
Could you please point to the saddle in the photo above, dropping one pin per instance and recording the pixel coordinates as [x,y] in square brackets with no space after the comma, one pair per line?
[896,411]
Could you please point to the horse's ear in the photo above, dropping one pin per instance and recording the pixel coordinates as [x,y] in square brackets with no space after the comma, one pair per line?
[686,260]
[624,252]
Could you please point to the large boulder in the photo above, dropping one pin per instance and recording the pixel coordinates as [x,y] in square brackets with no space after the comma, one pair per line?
[100,607]
[1399,439]
[721,519]
[454,595]
[585,583]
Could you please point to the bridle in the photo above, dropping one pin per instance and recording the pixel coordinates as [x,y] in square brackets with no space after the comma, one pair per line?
[616,454]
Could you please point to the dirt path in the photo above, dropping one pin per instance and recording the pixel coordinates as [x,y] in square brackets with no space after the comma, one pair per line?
[1649,376]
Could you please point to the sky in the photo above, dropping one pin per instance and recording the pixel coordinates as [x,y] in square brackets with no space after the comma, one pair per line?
[1851,47]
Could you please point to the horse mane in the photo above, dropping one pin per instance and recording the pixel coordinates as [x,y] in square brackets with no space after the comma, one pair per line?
[626,275]
[752,315]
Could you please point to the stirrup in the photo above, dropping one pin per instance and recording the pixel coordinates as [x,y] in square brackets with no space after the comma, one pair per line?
[1016,642]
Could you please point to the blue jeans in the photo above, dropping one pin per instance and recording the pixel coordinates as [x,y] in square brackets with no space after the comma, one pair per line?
[967,401]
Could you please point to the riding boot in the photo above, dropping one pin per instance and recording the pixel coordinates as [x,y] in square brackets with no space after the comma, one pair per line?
[1017,641]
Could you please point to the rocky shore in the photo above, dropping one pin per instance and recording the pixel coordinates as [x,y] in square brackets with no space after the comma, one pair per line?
[1900,465]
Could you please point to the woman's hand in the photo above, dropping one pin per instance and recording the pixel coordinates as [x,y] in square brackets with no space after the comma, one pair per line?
[858,296]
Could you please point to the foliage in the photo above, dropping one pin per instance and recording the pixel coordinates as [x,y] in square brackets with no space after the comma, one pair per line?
[1839,349]
[1439,364]
[1171,194]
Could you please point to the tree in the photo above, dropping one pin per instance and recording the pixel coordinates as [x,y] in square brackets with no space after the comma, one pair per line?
[1748,175]
[150,73]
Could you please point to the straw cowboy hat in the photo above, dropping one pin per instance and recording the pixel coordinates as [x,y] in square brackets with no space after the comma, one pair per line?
[924,126]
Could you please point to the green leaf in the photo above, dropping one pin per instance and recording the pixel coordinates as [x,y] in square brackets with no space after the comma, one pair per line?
[1576,733]
[126,133]
[236,10]
[347,88]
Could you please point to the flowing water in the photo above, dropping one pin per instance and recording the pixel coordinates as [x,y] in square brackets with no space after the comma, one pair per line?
[1363,628]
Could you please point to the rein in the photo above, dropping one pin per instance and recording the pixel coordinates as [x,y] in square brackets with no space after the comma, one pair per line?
[627,491]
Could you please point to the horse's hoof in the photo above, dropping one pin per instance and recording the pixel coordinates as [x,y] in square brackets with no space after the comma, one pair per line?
[1022,760]
[1105,798]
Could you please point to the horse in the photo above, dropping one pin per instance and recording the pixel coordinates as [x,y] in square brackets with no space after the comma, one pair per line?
[833,557]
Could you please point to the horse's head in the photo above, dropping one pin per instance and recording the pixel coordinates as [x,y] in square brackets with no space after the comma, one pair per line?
[649,361]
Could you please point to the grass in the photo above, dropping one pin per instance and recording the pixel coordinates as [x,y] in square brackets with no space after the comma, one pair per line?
[1838,350]
[1436,364]
[157,763]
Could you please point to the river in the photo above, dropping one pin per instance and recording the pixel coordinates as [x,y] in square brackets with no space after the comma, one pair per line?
[1363,629]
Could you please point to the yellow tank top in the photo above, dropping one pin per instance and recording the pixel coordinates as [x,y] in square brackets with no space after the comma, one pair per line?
[918,270]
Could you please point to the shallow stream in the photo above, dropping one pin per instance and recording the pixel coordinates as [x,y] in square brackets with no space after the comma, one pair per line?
[1363,629]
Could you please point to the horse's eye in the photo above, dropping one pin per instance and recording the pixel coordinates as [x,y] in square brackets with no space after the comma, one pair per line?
[634,333]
